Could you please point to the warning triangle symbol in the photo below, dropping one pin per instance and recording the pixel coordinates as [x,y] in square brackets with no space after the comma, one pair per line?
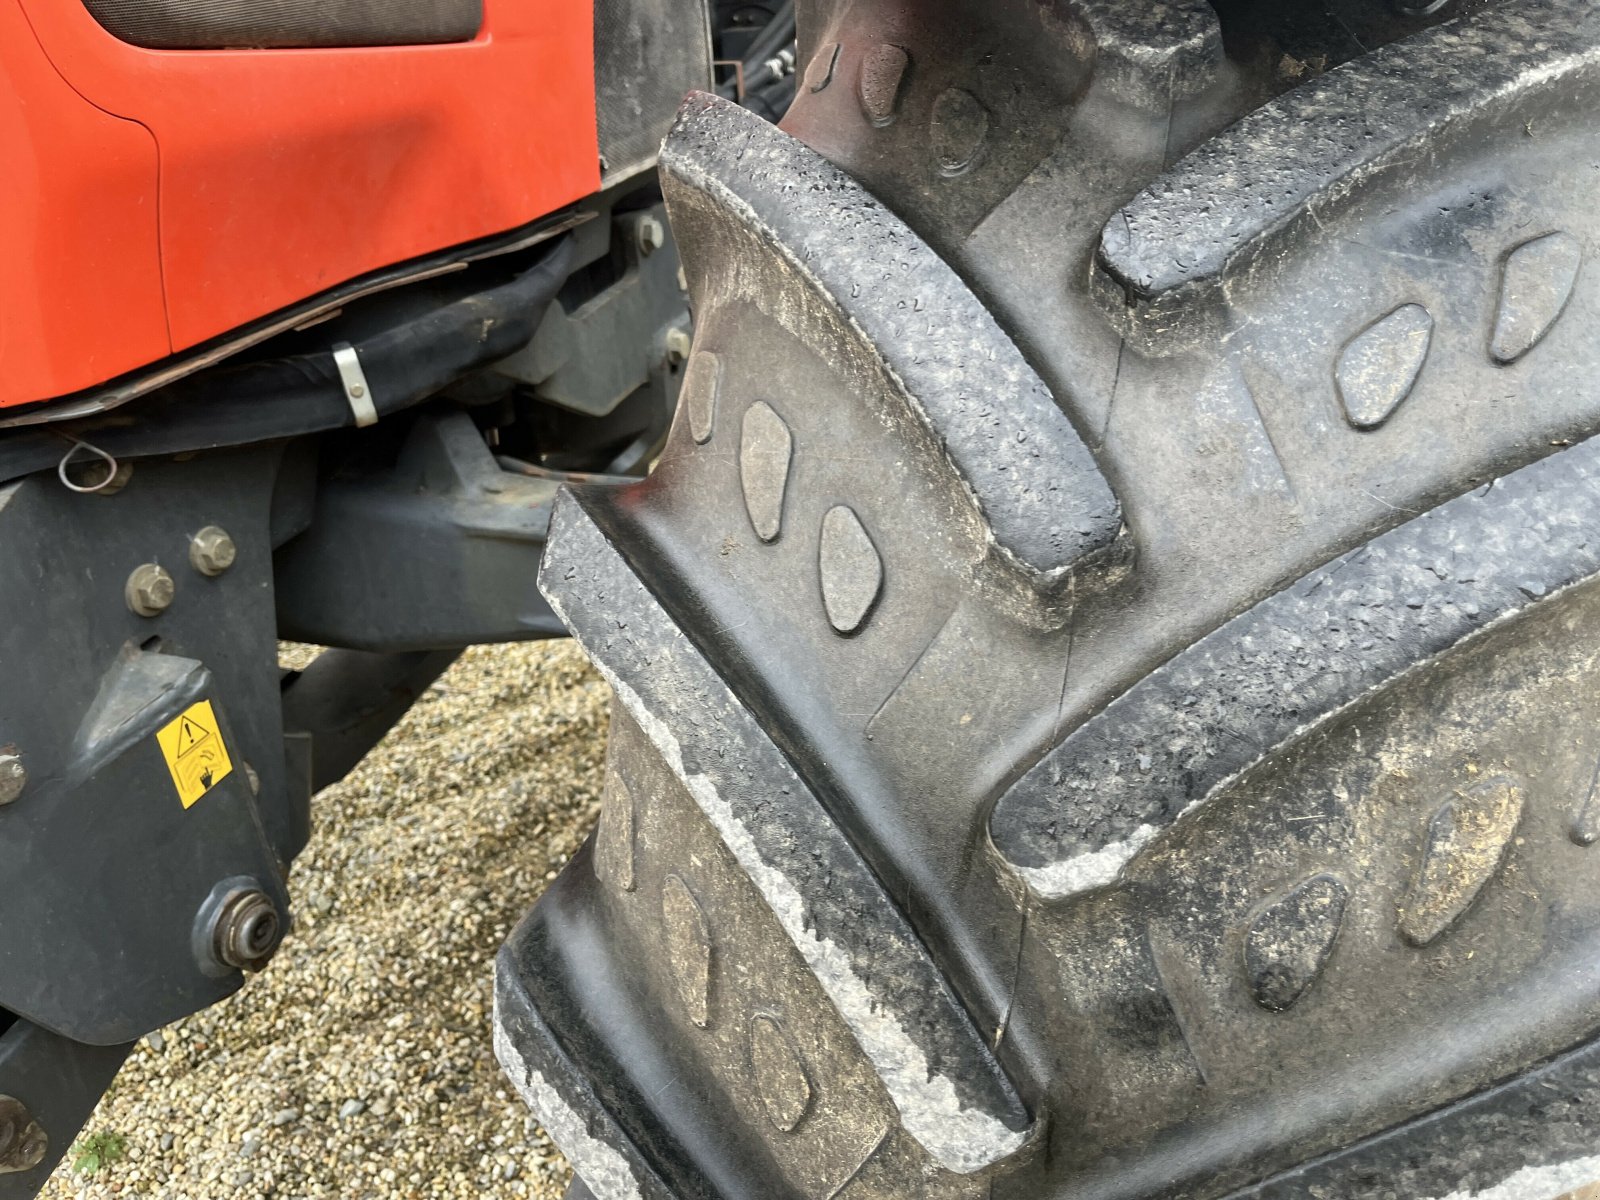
[190,734]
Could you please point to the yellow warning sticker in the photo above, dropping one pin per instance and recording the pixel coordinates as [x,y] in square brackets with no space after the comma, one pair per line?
[192,746]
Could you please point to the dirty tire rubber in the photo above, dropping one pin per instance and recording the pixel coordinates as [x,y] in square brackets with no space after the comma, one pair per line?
[1106,669]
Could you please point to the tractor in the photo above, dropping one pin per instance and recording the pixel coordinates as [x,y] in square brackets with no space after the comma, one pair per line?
[1088,509]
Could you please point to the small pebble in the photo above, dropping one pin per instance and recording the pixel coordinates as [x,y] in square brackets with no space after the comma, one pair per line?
[285,1116]
[351,1108]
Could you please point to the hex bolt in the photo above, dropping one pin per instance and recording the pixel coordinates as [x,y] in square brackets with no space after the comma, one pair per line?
[678,344]
[650,236]
[211,551]
[247,930]
[150,590]
[23,1141]
[13,778]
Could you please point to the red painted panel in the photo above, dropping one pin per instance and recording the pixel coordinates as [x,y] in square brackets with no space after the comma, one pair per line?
[284,172]
[81,296]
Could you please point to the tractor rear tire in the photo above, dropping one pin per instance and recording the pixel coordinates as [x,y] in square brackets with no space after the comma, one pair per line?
[1107,667]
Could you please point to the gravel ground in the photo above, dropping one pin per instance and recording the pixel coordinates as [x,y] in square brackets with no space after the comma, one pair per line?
[358,1064]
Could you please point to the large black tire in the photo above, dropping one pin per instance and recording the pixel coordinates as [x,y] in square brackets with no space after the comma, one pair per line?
[1106,665]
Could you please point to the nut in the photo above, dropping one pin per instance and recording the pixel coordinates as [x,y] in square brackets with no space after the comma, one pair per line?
[247,930]
[23,1141]
[650,236]
[150,590]
[211,551]
[13,778]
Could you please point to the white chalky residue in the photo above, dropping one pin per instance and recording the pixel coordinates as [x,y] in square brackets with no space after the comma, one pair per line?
[963,1140]
[601,1166]
[1079,873]
[1085,872]
[1003,376]
[1539,1183]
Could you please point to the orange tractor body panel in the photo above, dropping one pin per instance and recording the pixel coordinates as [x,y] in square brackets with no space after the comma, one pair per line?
[160,198]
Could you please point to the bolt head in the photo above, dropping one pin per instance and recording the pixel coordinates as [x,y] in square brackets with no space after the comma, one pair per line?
[13,778]
[211,551]
[651,235]
[248,931]
[150,590]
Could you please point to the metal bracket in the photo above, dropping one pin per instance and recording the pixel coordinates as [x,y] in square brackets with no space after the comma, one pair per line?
[356,389]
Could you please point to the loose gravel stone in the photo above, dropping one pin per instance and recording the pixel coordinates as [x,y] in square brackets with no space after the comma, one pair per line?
[420,864]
